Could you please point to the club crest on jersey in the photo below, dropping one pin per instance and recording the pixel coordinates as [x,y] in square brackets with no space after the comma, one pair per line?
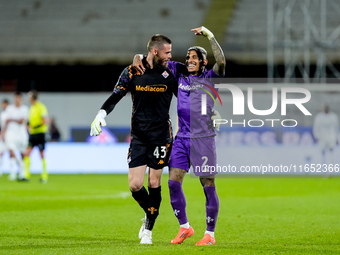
[165,74]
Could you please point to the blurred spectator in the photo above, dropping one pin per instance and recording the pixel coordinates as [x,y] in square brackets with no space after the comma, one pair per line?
[54,131]
[3,117]
[325,130]
[15,135]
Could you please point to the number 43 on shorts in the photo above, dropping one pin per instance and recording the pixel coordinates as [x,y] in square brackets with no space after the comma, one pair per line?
[160,152]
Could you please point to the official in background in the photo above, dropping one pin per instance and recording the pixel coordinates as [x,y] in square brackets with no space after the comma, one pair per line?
[37,124]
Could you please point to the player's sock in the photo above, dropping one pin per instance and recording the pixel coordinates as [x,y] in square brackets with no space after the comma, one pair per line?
[12,172]
[142,198]
[21,168]
[27,167]
[155,198]
[44,174]
[211,233]
[212,207]
[186,225]
[178,201]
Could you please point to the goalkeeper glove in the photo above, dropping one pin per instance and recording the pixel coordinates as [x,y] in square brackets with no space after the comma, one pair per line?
[216,116]
[98,121]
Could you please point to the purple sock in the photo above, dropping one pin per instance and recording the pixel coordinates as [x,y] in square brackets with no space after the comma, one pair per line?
[212,206]
[178,201]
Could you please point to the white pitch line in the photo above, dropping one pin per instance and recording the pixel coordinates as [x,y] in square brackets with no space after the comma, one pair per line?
[123,195]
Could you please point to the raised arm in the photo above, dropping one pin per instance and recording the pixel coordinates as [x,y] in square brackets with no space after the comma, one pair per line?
[219,66]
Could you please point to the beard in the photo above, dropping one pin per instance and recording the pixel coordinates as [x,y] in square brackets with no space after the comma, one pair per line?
[159,63]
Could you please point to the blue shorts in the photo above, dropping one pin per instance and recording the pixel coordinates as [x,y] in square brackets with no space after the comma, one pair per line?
[200,153]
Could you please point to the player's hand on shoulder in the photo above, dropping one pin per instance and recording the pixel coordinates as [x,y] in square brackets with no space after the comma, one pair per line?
[97,123]
[137,63]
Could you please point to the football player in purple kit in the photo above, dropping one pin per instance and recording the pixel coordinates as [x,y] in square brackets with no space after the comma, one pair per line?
[195,141]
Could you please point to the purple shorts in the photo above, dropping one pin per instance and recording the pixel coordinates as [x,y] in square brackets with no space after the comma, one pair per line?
[200,153]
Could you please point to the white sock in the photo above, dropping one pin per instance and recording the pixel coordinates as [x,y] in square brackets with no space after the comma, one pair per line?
[210,233]
[21,169]
[186,225]
[11,167]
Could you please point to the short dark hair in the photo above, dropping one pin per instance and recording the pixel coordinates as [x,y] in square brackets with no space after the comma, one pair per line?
[17,93]
[158,41]
[34,94]
[5,101]
[201,52]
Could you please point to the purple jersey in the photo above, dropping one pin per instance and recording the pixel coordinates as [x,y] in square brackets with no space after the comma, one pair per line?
[191,122]
[176,68]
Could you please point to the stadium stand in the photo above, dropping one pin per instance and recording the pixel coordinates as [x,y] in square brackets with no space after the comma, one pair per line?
[86,34]
[86,31]
[245,38]
[218,17]
[65,31]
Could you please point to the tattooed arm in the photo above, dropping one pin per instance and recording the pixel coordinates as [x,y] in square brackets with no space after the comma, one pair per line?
[219,66]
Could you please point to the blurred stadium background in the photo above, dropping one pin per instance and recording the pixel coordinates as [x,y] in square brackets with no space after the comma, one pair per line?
[73,51]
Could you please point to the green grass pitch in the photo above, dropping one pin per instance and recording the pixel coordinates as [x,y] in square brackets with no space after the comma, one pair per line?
[95,214]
